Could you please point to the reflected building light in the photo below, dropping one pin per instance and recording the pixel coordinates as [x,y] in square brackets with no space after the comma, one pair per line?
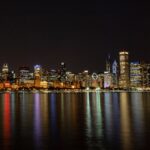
[62,105]
[68,108]
[62,113]
[53,106]
[37,119]
[53,114]
[6,118]
[108,115]
[125,121]
[99,115]
[116,116]
[13,102]
[88,115]
[116,109]
[136,99]
[44,112]
[13,110]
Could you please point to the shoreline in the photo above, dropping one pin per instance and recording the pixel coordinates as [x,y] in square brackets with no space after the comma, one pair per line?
[74,91]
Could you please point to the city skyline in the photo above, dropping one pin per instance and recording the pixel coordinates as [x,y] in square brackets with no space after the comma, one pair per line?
[78,33]
[132,58]
[109,57]
[124,75]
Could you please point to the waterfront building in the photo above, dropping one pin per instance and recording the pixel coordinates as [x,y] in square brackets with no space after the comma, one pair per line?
[100,80]
[37,70]
[94,81]
[70,78]
[108,80]
[29,83]
[37,81]
[37,75]
[11,76]
[124,70]
[44,84]
[24,74]
[62,72]
[115,74]
[86,79]
[53,75]
[5,71]
[5,68]
[135,75]
[145,75]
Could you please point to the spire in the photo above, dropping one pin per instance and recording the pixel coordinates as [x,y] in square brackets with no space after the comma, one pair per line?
[108,63]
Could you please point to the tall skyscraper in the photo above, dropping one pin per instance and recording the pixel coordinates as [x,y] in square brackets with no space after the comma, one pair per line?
[115,74]
[124,69]
[62,72]
[135,75]
[37,75]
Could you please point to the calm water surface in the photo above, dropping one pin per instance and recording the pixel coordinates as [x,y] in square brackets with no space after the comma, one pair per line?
[74,121]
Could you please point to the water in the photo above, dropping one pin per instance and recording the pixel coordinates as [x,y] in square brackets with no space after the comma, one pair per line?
[74,121]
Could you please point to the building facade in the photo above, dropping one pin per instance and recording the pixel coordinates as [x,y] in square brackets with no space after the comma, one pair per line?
[145,75]
[124,81]
[135,75]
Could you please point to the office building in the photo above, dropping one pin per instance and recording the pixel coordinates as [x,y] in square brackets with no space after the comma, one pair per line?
[124,70]
[135,75]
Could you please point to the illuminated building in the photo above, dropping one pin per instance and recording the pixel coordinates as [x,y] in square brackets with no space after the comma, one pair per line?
[44,84]
[115,74]
[124,69]
[5,71]
[101,80]
[108,80]
[70,80]
[5,68]
[135,74]
[85,82]
[37,75]
[145,74]
[53,75]
[62,72]
[94,80]
[37,70]
[24,74]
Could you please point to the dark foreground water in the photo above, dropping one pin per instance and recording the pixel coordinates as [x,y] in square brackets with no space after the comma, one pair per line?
[75,121]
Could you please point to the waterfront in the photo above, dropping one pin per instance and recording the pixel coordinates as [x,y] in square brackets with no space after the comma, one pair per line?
[85,120]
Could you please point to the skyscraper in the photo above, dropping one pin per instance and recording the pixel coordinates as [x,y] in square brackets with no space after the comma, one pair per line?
[37,75]
[124,69]
[135,75]
[62,72]
[115,74]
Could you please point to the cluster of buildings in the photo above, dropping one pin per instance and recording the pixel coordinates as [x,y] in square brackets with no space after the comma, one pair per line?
[127,75]
[117,75]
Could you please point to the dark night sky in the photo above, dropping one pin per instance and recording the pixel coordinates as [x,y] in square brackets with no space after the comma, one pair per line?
[80,33]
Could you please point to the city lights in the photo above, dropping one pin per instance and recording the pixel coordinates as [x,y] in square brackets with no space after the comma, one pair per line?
[125,76]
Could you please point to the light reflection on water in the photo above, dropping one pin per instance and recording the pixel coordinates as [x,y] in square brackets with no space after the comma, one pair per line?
[75,120]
